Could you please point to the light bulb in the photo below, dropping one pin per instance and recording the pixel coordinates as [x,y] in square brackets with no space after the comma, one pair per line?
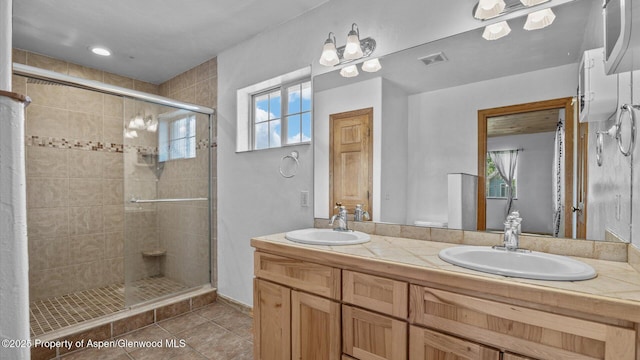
[496,31]
[349,71]
[329,55]
[372,65]
[489,8]
[539,19]
[353,50]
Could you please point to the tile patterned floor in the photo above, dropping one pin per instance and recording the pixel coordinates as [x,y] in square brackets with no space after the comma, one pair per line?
[216,331]
[61,311]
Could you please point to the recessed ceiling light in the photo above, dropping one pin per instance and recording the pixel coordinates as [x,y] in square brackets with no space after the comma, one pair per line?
[99,50]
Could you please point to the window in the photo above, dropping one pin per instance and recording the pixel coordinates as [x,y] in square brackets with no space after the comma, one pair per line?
[278,122]
[246,97]
[496,186]
[177,139]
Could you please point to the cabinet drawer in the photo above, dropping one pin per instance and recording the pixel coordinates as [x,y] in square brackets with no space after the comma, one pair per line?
[529,332]
[314,278]
[376,293]
[427,344]
[370,336]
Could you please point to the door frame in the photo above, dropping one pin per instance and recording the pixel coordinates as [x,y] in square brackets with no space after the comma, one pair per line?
[561,103]
[582,180]
[333,119]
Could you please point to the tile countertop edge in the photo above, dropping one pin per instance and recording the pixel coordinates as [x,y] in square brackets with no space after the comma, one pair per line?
[490,287]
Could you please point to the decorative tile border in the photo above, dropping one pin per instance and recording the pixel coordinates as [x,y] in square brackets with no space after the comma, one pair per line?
[61,143]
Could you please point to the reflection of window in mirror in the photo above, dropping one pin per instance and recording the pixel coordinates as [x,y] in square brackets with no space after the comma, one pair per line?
[177,139]
[496,187]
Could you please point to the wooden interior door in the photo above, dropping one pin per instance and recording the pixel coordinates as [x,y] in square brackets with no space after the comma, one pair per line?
[582,181]
[351,160]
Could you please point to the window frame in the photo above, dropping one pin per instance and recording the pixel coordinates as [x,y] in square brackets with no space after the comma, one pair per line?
[502,182]
[169,140]
[284,94]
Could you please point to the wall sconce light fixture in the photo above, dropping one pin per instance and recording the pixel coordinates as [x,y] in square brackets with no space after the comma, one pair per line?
[488,9]
[354,49]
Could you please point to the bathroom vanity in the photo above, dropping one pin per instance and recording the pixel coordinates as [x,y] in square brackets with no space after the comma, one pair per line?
[393,298]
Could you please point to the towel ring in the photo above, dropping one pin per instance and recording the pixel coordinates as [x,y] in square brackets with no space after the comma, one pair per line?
[290,172]
[599,146]
[632,142]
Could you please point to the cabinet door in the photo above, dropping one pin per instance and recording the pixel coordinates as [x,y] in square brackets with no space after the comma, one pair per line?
[315,327]
[428,345]
[271,321]
[371,336]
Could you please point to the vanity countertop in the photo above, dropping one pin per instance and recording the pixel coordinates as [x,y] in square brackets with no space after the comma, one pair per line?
[615,292]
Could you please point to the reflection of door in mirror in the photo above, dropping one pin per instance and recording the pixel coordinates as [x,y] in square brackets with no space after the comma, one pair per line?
[545,163]
[582,180]
[351,159]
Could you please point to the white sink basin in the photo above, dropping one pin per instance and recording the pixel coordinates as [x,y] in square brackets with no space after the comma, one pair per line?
[327,237]
[528,265]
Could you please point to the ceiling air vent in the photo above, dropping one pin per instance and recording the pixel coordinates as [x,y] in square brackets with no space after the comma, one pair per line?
[433,58]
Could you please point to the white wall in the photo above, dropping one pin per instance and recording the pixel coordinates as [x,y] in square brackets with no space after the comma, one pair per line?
[443,130]
[609,202]
[251,201]
[534,190]
[393,187]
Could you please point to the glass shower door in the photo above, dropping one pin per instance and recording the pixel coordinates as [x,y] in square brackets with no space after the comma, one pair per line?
[167,207]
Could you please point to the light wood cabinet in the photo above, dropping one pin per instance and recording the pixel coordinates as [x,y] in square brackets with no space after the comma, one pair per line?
[370,336]
[376,293]
[335,310]
[529,332]
[429,345]
[315,327]
[271,321]
[290,324]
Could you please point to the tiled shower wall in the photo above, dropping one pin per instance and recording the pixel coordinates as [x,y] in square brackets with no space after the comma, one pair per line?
[185,237]
[76,162]
[74,179]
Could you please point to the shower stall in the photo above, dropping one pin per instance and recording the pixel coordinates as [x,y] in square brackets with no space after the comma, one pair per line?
[118,197]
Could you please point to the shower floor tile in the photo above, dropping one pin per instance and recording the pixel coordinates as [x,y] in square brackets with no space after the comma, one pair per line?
[61,311]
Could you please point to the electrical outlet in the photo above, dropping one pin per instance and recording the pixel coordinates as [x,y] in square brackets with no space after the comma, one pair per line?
[304,198]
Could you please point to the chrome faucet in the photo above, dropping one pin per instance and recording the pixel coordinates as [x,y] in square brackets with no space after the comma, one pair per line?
[359,214]
[512,231]
[341,216]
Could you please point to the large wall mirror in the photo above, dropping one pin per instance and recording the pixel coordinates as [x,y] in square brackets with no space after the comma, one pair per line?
[425,120]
